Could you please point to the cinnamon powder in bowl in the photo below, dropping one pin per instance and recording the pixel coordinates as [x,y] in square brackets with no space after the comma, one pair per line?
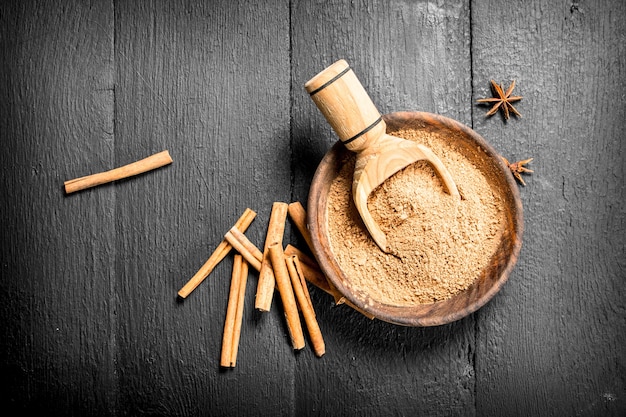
[447,258]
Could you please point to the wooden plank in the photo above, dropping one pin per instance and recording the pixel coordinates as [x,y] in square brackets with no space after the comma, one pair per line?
[210,82]
[58,343]
[552,342]
[408,56]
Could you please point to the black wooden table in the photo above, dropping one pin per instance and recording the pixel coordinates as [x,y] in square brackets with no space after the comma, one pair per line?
[91,324]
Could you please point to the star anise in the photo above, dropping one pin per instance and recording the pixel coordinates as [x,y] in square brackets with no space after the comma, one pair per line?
[517,168]
[502,101]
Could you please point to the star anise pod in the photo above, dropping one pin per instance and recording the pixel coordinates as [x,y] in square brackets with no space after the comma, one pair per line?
[502,100]
[517,168]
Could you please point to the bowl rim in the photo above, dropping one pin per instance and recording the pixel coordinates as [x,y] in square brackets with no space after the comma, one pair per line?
[422,315]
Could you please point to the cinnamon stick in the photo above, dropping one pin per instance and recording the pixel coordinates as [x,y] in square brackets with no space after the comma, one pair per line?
[297,213]
[232,327]
[216,257]
[267,282]
[305,306]
[315,276]
[231,309]
[283,283]
[298,269]
[147,164]
[239,313]
[246,248]
[311,269]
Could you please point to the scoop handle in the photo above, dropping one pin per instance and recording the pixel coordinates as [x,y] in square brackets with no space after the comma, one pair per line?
[347,107]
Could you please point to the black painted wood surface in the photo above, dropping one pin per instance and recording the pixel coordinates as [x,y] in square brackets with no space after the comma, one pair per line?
[91,321]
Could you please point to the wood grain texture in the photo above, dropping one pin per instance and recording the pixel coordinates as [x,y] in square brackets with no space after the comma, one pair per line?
[553,342]
[91,321]
[58,252]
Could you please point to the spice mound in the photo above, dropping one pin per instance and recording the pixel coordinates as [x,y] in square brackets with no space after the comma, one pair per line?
[438,246]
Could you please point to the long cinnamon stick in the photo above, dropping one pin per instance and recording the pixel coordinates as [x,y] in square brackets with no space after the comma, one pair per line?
[311,269]
[147,164]
[306,307]
[239,313]
[283,283]
[216,257]
[246,248]
[315,276]
[298,269]
[231,312]
[267,282]
[297,213]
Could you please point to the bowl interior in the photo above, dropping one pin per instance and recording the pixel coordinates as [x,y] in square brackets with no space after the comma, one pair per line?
[490,279]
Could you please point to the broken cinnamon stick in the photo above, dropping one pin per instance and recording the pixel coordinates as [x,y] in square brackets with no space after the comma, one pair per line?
[216,257]
[267,282]
[285,289]
[246,248]
[306,306]
[147,164]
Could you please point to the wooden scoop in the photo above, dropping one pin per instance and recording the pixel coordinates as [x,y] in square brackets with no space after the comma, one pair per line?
[349,110]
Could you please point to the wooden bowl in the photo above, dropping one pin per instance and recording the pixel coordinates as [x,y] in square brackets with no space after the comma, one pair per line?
[489,280]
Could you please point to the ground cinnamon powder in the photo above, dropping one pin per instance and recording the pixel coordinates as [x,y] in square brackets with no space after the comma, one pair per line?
[438,246]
